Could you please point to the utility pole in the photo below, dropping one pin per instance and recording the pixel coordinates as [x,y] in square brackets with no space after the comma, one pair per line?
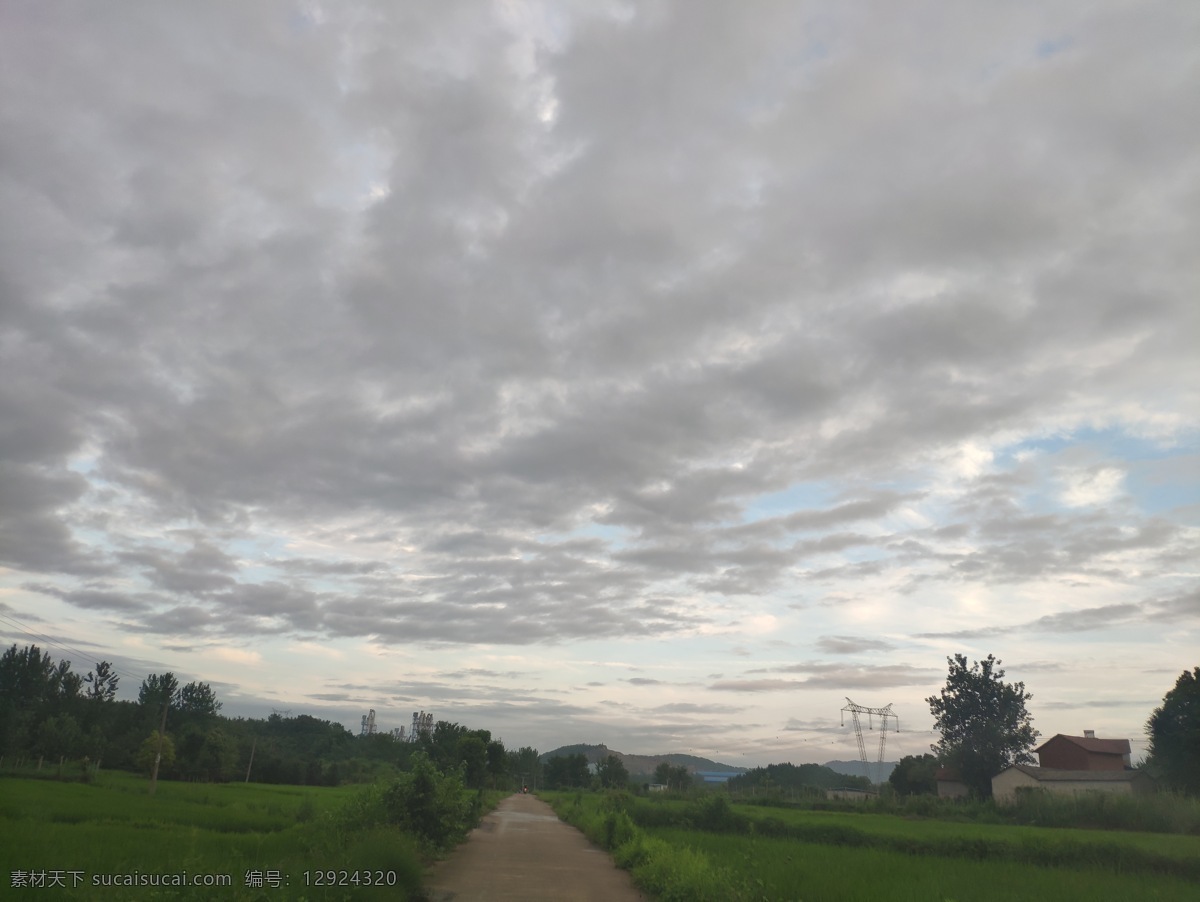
[253,746]
[162,731]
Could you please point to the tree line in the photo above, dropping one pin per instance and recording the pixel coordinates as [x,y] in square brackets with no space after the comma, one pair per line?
[52,716]
[788,778]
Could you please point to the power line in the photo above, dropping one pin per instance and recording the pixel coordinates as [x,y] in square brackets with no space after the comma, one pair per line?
[62,646]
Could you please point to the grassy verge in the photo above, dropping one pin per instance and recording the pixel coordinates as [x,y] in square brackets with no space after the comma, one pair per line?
[672,873]
[784,869]
[710,850]
[1125,852]
[271,842]
[1157,813]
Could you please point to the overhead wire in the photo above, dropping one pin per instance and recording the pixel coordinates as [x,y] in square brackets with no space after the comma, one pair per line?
[25,628]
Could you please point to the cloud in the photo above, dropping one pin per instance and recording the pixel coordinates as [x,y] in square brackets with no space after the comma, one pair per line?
[1095,486]
[1179,609]
[851,645]
[95,599]
[1143,704]
[834,676]
[420,330]
[237,655]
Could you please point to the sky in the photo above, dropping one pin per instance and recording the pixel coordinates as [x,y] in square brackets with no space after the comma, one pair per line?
[655,374]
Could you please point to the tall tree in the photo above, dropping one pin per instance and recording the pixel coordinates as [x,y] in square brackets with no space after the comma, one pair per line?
[681,778]
[65,683]
[473,757]
[566,771]
[1174,732]
[102,683]
[612,772]
[197,701]
[32,689]
[984,724]
[159,691]
[915,774]
[672,776]
[26,676]
[497,762]
[524,764]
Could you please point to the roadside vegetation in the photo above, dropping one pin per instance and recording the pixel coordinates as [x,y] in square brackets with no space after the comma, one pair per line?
[327,812]
[706,847]
[56,721]
[331,815]
[272,842]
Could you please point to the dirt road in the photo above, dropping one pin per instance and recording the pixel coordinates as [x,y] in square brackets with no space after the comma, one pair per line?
[523,851]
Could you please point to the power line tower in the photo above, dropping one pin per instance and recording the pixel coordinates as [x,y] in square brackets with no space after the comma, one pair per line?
[883,714]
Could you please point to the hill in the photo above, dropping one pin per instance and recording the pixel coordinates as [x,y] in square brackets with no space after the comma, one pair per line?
[879,771]
[641,764]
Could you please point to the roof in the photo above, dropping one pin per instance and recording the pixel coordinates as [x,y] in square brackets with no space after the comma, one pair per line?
[1100,746]
[1053,775]
[947,774]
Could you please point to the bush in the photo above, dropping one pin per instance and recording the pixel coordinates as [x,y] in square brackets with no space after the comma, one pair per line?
[715,815]
[382,849]
[676,874]
[432,806]
[668,872]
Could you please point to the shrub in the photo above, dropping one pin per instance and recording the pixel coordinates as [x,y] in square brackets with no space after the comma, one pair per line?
[717,816]
[676,874]
[432,806]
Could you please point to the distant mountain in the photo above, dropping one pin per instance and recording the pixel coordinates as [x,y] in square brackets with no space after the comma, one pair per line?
[879,771]
[642,764]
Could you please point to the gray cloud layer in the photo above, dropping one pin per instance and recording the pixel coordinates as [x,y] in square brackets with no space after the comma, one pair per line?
[517,320]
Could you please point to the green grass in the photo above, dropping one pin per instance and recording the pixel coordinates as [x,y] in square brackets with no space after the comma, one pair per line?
[113,826]
[1157,813]
[685,849]
[781,869]
[1115,850]
[1179,848]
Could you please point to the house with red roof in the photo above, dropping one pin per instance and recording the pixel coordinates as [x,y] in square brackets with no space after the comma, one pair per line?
[1085,752]
[1075,764]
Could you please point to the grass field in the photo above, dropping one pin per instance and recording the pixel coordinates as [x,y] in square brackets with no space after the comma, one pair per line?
[91,835]
[678,849]
[1115,849]
[783,869]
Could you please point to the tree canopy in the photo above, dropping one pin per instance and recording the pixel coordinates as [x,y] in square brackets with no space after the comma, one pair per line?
[1174,733]
[102,682]
[788,777]
[914,775]
[612,772]
[983,720]
[566,771]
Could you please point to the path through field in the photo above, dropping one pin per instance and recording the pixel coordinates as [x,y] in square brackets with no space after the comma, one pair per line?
[523,851]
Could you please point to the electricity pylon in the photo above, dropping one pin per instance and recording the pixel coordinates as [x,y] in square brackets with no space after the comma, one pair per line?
[883,714]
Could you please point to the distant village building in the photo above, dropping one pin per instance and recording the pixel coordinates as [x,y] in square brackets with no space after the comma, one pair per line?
[1006,784]
[716,776]
[950,784]
[1084,752]
[1071,765]
[851,794]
